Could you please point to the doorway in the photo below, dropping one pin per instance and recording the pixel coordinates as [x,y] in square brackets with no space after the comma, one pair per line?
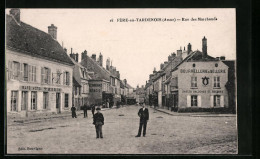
[58,102]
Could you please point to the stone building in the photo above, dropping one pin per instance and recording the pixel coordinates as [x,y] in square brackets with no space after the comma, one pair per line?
[81,78]
[38,70]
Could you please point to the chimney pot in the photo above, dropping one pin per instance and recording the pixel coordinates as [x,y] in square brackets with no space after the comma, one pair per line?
[93,57]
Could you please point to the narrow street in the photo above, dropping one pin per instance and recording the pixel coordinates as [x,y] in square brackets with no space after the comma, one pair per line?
[165,135]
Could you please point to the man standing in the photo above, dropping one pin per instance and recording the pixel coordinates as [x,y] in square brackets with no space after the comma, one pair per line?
[93,110]
[143,113]
[85,109]
[73,110]
[98,121]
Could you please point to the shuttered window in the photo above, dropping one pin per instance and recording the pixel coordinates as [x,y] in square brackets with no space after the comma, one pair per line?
[66,78]
[16,70]
[45,75]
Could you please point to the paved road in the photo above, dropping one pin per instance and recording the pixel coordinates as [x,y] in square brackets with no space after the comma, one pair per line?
[165,135]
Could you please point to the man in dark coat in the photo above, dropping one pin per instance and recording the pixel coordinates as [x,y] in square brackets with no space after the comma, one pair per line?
[85,109]
[98,121]
[73,110]
[143,113]
[93,110]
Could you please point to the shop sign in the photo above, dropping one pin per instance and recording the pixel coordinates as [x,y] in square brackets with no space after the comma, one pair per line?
[35,88]
[202,71]
[203,91]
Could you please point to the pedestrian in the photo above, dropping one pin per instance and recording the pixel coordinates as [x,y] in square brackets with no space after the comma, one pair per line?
[73,110]
[143,113]
[93,109]
[98,121]
[85,109]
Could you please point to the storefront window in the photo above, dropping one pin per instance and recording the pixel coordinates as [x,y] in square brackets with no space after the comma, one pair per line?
[14,100]
[66,102]
[194,100]
[216,100]
[24,100]
[45,100]
[33,100]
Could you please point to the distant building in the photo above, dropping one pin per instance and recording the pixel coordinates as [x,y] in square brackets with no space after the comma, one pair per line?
[80,95]
[38,71]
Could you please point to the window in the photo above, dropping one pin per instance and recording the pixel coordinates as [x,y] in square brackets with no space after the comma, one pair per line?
[194,82]
[25,72]
[216,100]
[32,73]
[14,100]
[46,72]
[194,100]
[16,70]
[66,102]
[66,78]
[76,90]
[216,82]
[24,100]
[45,100]
[33,100]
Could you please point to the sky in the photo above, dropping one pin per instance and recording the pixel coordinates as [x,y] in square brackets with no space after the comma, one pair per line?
[136,48]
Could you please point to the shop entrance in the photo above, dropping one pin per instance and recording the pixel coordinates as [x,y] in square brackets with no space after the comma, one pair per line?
[58,102]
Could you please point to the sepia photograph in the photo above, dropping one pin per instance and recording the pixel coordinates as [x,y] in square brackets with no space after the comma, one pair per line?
[121,81]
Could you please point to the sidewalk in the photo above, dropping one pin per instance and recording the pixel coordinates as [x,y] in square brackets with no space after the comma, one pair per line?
[192,114]
[27,120]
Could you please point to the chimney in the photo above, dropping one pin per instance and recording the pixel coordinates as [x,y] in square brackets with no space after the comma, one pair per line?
[161,66]
[173,55]
[165,63]
[83,55]
[52,30]
[179,52]
[93,57]
[65,50]
[125,81]
[15,13]
[189,48]
[204,47]
[100,59]
[76,57]
[154,71]
[222,58]
[108,64]
[184,48]
[72,55]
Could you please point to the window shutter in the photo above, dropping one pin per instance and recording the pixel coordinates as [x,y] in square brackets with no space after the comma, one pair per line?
[21,71]
[10,69]
[211,101]
[222,101]
[64,78]
[42,73]
[188,101]
[199,101]
[68,78]
[49,76]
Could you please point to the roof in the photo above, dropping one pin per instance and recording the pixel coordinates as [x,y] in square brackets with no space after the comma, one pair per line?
[128,86]
[93,66]
[229,63]
[34,42]
[195,56]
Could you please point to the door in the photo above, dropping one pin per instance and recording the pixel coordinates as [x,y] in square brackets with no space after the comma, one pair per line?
[58,102]
[175,102]
[24,101]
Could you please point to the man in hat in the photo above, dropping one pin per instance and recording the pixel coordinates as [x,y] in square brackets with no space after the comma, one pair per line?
[143,113]
[98,121]
[93,110]
[73,110]
[85,110]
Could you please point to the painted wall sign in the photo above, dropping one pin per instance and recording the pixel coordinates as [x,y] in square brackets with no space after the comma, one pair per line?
[205,81]
[202,71]
[203,91]
[34,88]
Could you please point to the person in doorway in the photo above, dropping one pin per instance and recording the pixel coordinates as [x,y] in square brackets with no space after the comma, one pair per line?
[73,110]
[98,121]
[85,109]
[143,113]
[93,110]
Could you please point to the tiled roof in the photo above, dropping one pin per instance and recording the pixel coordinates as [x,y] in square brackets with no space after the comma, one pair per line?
[34,42]
[93,66]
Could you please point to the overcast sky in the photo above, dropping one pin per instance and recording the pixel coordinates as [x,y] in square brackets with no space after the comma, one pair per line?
[137,47]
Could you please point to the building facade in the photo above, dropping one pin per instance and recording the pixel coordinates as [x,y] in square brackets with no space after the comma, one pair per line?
[38,70]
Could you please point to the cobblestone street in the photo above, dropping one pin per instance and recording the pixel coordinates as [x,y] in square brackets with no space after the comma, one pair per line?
[166,134]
